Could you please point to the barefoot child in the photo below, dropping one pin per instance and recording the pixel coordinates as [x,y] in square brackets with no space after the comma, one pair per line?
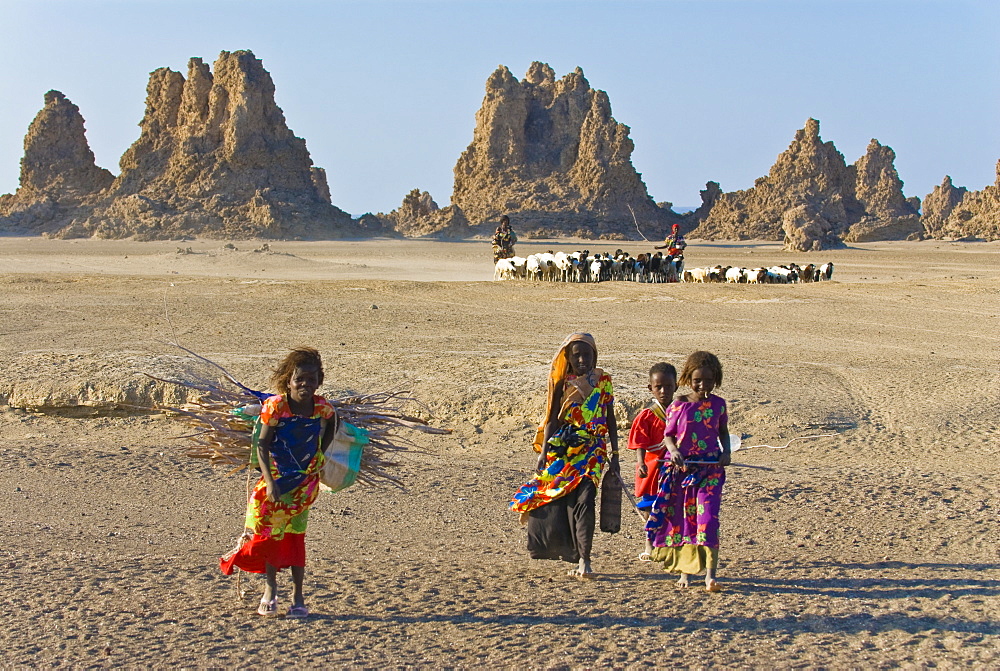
[296,427]
[558,503]
[683,523]
[646,437]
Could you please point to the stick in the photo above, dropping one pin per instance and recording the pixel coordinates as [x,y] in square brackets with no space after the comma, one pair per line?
[635,504]
[781,447]
[636,222]
[715,463]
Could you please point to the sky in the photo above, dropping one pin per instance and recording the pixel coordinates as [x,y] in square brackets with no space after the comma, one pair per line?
[385,93]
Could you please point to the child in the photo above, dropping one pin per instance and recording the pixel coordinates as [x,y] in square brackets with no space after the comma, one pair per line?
[683,523]
[646,437]
[558,504]
[296,427]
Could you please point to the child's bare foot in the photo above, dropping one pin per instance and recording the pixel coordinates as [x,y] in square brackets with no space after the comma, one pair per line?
[584,571]
[712,585]
[683,581]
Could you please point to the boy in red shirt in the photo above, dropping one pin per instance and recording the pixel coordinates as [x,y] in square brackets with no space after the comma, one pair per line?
[646,436]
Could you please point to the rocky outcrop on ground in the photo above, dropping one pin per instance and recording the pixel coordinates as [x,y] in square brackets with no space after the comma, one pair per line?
[58,171]
[888,215]
[419,216]
[938,206]
[807,229]
[976,214]
[810,172]
[214,158]
[821,195]
[548,153]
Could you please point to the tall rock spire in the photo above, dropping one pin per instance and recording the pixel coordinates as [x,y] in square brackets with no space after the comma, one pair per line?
[977,214]
[57,171]
[549,152]
[809,173]
[216,158]
[879,190]
[812,199]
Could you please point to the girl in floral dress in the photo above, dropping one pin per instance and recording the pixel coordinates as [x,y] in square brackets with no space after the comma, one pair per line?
[683,525]
[558,503]
[296,428]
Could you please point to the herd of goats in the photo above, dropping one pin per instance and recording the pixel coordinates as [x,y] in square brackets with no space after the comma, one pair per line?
[658,267]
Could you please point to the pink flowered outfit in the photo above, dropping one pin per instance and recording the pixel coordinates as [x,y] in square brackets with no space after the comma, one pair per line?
[686,510]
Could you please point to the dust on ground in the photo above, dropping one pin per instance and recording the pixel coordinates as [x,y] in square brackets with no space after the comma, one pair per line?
[873,548]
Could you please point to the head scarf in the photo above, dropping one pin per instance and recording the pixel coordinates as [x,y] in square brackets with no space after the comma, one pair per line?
[557,375]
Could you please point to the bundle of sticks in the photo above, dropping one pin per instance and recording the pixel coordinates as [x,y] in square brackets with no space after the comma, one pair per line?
[222,410]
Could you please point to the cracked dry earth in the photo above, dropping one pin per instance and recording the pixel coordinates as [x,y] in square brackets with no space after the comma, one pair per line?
[875,547]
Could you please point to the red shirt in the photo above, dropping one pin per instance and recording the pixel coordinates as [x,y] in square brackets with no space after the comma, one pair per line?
[647,434]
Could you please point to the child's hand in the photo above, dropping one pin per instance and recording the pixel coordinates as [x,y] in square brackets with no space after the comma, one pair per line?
[676,458]
[643,471]
[541,461]
[725,459]
[272,492]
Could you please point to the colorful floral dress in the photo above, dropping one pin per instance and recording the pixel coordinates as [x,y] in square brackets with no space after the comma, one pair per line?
[685,514]
[279,527]
[577,452]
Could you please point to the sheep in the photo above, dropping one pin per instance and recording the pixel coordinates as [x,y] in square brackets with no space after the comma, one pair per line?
[564,266]
[641,268]
[672,267]
[504,270]
[534,267]
[781,275]
[716,273]
[654,267]
[699,274]
[548,264]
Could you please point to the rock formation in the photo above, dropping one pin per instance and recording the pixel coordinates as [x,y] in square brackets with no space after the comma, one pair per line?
[810,172]
[419,215]
[808,230]
[214,158]
[821,195]
[709,197]
[888,215]
[322,186]
[57,171]
[951,212]
[550,154]
[938,205]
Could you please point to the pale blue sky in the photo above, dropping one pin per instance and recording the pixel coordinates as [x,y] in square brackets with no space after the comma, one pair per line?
[385,93]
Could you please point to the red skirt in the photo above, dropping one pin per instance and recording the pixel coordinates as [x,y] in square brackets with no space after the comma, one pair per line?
[257,552]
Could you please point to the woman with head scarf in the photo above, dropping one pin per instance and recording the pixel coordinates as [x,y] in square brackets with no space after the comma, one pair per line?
[558,503]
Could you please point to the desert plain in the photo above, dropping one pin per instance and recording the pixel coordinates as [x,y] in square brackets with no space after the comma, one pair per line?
[873,547]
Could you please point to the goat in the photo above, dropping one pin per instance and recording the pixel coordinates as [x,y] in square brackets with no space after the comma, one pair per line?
[504,270]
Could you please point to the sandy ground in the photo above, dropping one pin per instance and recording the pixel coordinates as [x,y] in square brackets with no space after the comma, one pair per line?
[874,548]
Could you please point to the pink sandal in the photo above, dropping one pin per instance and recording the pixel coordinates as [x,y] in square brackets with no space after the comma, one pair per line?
[268,608]
[298,612]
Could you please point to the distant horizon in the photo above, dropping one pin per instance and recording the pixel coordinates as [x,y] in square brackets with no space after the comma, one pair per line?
[385,92]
